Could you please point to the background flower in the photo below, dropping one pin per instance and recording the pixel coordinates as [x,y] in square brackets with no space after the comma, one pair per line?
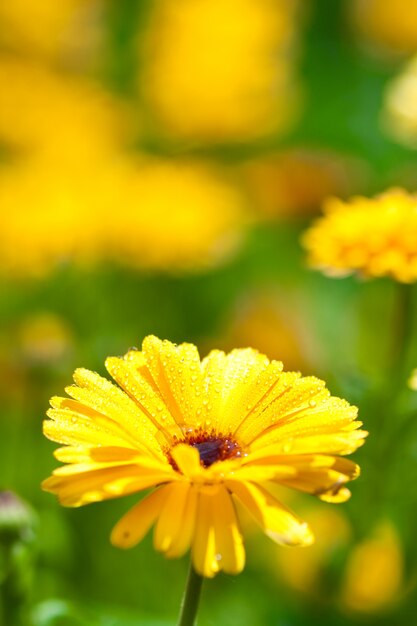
[373,237]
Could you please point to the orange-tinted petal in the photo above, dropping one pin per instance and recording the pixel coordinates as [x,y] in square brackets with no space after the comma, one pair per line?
[278,522]
[135,524]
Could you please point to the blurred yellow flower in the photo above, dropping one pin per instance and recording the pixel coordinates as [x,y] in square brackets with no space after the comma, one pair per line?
[60,118]
[391,25]
[400,106]
[374,572]
[294,183]
[203,434]
[175,215]
[303,571]
[371,236]
[220,70]
[270,323]
[412,381]
[72,192]
[44,338]
[146,213]
[51,217]
[58,30]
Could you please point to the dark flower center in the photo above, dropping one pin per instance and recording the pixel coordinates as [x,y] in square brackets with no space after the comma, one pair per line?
[211,448]
[215,449]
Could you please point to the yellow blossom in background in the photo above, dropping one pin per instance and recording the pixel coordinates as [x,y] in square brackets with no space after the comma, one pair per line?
[390,25]
[400,106]
[44,338]
[64,30]
[374,572]
[370,236]
[412,381]
[51,218]
[174,215]
[63,119]
[303,571]
[294,183]
[206,436]
[70,190]
[159,214]
[270,322]
[220,70]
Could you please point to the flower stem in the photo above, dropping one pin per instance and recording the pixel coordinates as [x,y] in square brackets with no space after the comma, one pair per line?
[403,327]
[191,598]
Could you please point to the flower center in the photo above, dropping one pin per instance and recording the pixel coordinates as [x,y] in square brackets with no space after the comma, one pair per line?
[215,449]
[211,448]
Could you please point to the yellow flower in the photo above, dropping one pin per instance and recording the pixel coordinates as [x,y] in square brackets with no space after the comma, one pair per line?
[390,24]
[305,571]
[176,215]
[61,30]
[371,236]
[220,70]
[294,183]
[400,106]
[44,338]
[270,323]
[412,381]
[172,215]
[36,102]
[203,435]
[374,572]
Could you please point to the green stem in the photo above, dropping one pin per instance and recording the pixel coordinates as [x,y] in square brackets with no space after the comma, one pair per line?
[12,597]
[396,375]
[191,598]
[386,405]
[402,330]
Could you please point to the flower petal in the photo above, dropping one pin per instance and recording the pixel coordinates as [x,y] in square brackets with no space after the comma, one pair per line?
[290,396]
[93,485]
[135,524]
[278,522]
[204,542]
[230,551]
[327,417]
[183,538]
[171,516]
[101,395]
[134,379]
[231,386]
[176,372]
[187,459]
[65,426]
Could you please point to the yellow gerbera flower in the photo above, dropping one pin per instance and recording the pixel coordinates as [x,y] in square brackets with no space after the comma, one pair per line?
[221,70]
[203,435]
[371,236]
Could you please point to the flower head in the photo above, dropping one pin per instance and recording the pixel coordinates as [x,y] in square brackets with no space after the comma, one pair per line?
[371,236]
[243,88]
[412,381]
[204,436]
[374,575]
[400,105]
[389,26]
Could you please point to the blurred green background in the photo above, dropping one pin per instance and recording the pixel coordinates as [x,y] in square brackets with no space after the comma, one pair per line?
[158,163]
